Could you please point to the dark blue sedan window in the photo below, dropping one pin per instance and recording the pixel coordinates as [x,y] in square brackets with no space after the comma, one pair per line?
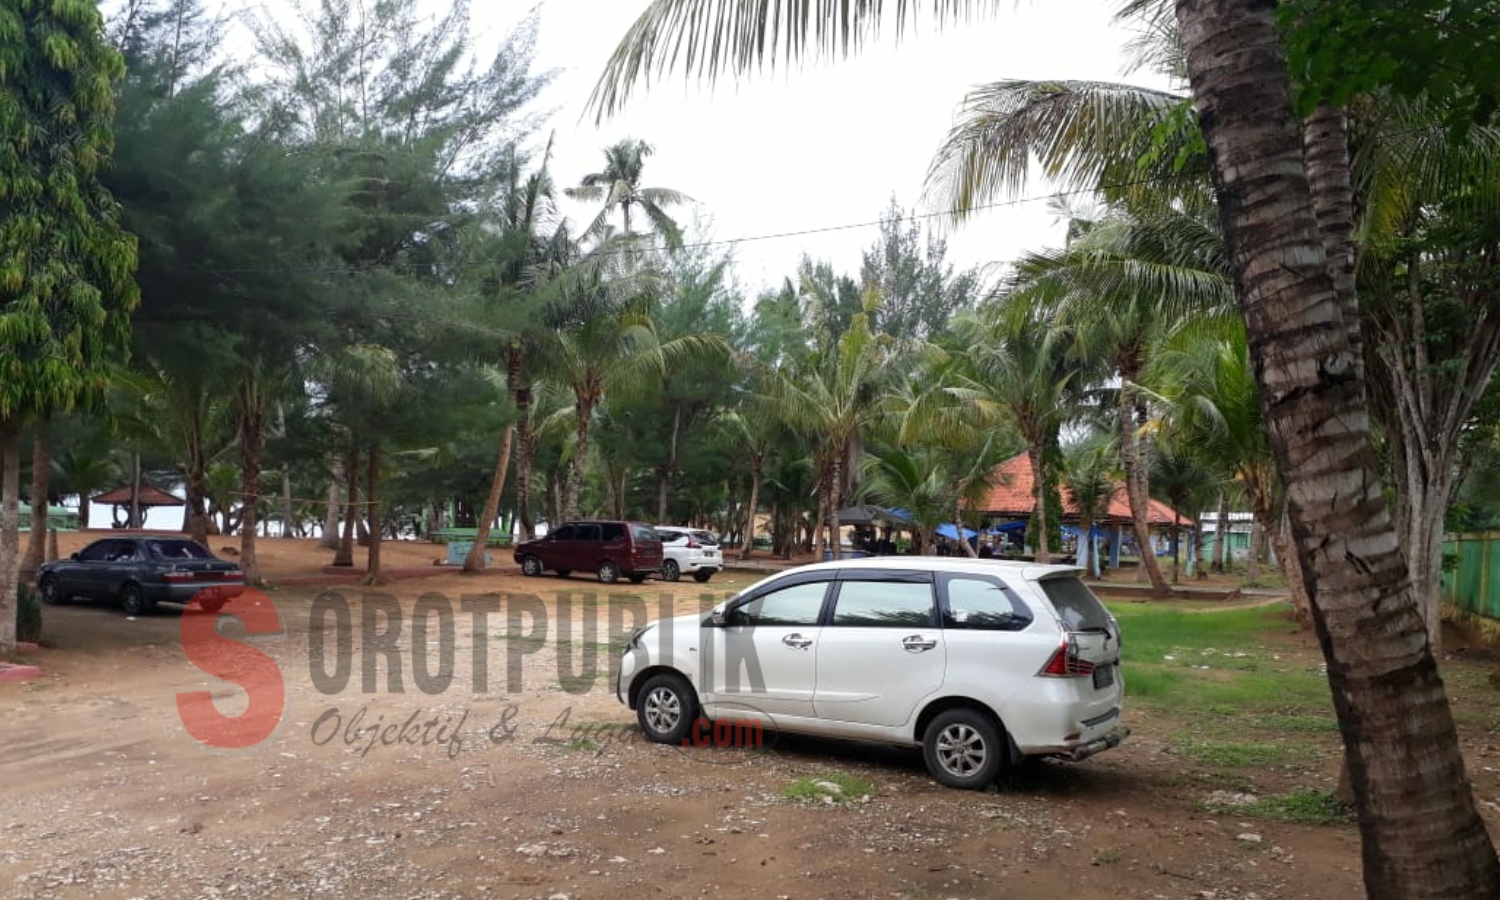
[177,550]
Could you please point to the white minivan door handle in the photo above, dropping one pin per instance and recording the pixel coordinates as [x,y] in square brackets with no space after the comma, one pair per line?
[798,641]
[916,643]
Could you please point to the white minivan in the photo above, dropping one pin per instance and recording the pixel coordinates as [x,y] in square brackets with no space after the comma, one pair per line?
[982,663]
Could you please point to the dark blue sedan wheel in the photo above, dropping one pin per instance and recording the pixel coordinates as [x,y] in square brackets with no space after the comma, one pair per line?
[133,600]
[51,591]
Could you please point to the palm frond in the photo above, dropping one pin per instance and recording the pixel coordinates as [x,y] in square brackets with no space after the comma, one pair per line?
[706,39]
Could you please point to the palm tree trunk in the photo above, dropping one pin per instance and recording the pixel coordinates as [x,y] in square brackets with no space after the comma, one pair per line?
[583,415]
[1325,140]
[41,472]
[1038,504]
[10,530]
[958,522]
[252,445]
[822,518]
[330,536]
[836,502]
[664,476]
[1422,833]
[754,505]
[474,562]
[1221,533]
[288,509]
[83,510]
[524,468]
[136,519]
[373,573]
[52,552]
[1136,484]
[344,556]
[1200,567]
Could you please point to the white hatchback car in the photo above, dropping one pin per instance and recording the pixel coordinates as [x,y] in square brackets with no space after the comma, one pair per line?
[981,663]
[688,551]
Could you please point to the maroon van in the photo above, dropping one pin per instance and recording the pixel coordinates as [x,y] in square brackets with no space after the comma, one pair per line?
[608,549]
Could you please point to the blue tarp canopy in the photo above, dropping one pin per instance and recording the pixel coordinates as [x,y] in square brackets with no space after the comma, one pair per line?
[1008,526]
[951,533]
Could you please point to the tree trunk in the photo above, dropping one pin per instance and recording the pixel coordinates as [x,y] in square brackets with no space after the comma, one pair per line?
[1221,533]
[818,523]
[474,562]
[1422,834]
[52,552]
[136,519]
[583,416]
[958,522]
[664,477]
[752,508]
[1199,553]
[10,531]
[84,507]
[41,472]
[1038,505]
[1325,143]
[1176,543]
[288,513]
[374,575]
[252,444]
[835,503]
[1137,486]
[330,537]
[344,556]
[1291,568]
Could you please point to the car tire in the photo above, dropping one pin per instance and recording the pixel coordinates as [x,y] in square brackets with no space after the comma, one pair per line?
[608,572]
[964,748]
[50,590]
[670,571]
[133,600]
[702,575]
[531,566]
[666,708]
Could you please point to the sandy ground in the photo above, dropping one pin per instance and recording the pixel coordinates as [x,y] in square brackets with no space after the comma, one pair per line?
[549,793]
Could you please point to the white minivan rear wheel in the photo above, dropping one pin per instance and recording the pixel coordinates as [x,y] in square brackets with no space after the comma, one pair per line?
[964,748]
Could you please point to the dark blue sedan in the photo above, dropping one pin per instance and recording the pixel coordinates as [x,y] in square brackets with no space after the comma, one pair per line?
[140,572]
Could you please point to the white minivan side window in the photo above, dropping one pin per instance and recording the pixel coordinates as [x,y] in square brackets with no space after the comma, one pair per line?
[799,604]
[883,604]
[976,602]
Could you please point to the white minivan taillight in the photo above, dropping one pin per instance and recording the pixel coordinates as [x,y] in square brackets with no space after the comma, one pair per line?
[1065,662]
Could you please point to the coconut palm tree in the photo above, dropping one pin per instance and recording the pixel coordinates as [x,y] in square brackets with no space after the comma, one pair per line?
[618,188]
[602,337]
[1090,468]
[833,399]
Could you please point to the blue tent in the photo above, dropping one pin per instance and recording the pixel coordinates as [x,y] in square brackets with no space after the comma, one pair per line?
[951,533]
[1007,526]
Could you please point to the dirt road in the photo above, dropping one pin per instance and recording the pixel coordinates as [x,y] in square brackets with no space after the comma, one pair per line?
[529,790]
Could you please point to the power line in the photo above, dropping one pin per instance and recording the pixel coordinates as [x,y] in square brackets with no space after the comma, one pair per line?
[698,245]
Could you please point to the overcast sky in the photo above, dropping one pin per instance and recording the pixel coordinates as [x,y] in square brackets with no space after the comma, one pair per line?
[823,146]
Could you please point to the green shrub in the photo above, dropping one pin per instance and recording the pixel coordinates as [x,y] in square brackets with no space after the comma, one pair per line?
[28,614]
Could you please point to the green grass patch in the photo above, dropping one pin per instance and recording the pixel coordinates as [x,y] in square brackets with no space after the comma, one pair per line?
[1302,724]
[1300,807]
[826,789]
[1232,754]
[1217,663]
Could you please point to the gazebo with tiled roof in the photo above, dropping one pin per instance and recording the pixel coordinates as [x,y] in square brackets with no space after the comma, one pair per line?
[1013,496]
[121,499]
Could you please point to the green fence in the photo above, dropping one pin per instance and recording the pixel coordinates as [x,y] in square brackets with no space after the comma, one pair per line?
[1471,572]
[499,537]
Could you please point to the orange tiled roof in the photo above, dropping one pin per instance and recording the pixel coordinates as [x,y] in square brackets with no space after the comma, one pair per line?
[1013,496]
